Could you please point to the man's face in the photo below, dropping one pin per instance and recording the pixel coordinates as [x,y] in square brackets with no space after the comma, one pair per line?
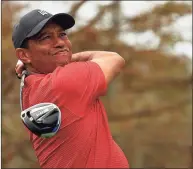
[49,49]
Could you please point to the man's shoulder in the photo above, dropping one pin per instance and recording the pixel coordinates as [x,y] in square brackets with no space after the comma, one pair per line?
[65,78]
[38,85]
[37,79]
[76,69]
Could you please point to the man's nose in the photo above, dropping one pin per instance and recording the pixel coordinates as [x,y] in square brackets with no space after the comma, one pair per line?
[59,43]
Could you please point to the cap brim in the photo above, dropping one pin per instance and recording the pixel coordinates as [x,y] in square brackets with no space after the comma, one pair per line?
[66,21]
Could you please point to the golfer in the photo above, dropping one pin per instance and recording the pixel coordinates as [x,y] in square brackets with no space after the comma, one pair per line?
[74,82]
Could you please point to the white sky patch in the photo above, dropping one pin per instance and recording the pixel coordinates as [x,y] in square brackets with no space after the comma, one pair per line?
[85,13]
[184,26]
[133,8]
[183,48]
[50,6]
[147,39]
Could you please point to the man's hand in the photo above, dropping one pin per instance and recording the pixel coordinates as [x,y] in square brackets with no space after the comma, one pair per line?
[19,68]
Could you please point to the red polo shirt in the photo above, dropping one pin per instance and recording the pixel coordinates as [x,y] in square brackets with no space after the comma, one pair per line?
[84,139]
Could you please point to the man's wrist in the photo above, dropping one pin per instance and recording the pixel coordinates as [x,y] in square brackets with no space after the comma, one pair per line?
[89,55]
[81,56]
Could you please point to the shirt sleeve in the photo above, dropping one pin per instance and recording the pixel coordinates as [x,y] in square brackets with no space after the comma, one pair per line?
[79,84]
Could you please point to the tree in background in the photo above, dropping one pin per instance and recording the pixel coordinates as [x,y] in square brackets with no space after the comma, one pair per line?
[149,105]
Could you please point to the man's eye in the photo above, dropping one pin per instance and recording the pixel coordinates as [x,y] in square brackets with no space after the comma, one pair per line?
[63,34]
[45,37]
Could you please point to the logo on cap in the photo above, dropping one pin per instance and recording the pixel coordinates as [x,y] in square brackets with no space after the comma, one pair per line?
[42,12]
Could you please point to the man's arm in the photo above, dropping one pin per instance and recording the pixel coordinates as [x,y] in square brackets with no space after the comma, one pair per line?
[111,63]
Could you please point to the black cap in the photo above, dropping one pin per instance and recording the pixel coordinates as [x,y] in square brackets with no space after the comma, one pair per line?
[33,22]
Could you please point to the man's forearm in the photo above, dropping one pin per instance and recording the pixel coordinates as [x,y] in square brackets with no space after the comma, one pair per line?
[111,63]
[81,56]
[90,55]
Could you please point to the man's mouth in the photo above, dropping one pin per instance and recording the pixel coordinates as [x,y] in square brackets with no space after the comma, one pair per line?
[60,53]
[65,51]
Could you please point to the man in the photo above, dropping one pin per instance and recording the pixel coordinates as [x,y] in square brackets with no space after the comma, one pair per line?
[74,82]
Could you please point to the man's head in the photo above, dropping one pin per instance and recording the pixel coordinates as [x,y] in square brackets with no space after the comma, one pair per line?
[41,42]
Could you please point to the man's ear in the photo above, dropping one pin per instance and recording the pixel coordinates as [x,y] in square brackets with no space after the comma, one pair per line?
[23,55]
